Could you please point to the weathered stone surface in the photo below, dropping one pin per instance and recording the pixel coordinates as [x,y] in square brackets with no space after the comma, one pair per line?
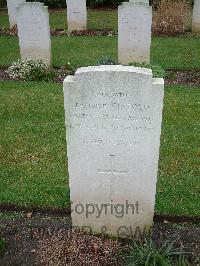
[76,14]
[34,31]
[12,11]
[140,1]
[196,16]
[134,32]
[113,120]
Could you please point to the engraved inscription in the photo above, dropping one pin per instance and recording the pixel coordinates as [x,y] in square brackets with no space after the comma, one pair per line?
[114,117]
[108,141]
[111,94]
[114,105]
[113,127]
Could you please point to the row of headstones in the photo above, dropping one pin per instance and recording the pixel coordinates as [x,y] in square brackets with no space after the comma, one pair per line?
[134,29]
[134,39]
[77,13]
[134,32]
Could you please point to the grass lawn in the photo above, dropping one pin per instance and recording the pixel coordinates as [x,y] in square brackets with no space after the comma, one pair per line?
[178,53]
[32,146]
[58,19]
[33,149]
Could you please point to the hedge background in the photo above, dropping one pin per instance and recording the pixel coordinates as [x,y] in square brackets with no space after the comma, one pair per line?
[90,3]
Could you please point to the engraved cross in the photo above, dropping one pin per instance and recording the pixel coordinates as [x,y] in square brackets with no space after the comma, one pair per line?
[112,170]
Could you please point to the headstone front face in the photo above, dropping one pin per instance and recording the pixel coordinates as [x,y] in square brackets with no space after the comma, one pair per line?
[12,11]
[76,14]
[196,16]
[34,31]
[113,121]
[134,32]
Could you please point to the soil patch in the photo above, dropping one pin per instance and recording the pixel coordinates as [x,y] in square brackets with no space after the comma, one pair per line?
[60,9]
[188,77]
[22,232]
[64,32]
[90,32]
[44,239]
[4,75]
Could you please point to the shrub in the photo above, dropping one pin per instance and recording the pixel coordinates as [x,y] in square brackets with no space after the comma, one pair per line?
[62,3]
[171,17]
[104,3]
[91,3]
[30,70]
[158,71]
[106,61]
[2,3]
[52,3]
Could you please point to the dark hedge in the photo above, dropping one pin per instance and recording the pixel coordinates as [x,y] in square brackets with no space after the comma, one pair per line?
[90,3]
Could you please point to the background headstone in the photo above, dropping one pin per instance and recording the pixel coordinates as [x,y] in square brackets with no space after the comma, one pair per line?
[34,31]
[113,118]
[76,14]
[196,16]
[134,32]
[12,11]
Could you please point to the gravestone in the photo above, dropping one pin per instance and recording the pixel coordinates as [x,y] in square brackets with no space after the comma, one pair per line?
[134,32]
[34,31]
[76,14]
[196,16]
[12,11]
[113,120]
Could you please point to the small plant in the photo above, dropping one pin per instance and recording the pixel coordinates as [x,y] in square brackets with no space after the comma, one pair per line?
[106,61]
[2,245]
[146,254]
[71,67]
[158,71]
[30,70]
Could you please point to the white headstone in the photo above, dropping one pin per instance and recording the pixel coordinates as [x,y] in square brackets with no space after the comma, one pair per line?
[134,32]
[76,14]
[34,31]
[196,16]
[113,120]
[12,12]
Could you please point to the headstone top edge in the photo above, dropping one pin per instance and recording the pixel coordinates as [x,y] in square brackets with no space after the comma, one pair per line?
[114,68]
[31,4]
[139,1]
[131,3]
[69,79]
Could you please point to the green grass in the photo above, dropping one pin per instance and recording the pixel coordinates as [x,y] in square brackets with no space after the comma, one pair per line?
[2,245]
[58,19]
[33,149]
[179,174]
[32,146]
[96,19]
[4,21]
[178,53]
